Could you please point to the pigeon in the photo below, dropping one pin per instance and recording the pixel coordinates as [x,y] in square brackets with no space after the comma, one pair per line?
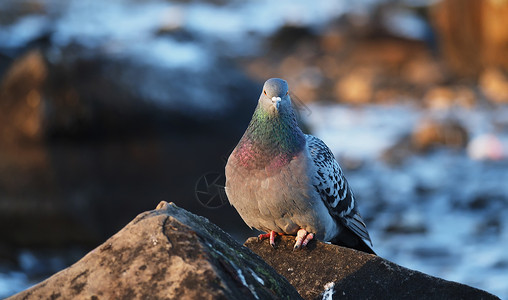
[282,181]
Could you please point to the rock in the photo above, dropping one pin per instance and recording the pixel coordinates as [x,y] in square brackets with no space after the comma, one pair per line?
[342,62]
[439,98]
[12,10]
[428,134]
[399,152]
[401,225]
[27,180]
[423,71]
[167,253]
[494,84]
[289,37]
[465,96]
[325,271]
[20,104]
[332,40]
[446,98]
[432,132]
[356,87]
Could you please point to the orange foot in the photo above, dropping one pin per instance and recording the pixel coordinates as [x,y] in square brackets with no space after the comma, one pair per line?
[302,239]
[271,235]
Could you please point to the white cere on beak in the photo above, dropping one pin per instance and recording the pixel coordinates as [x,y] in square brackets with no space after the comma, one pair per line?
[276,102]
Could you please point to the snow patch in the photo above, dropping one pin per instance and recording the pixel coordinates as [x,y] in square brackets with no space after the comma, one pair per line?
[329,291]
[23,31]
[256,276]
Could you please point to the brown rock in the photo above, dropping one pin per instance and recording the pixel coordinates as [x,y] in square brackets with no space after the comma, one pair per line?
[398,152]
[349,274]
[430,133]
[332,41]
[446,97]
[390,96]
[167,253]
[20,99]
[465,97]
[356,87]
[424,71]
[494,85]
[439,98]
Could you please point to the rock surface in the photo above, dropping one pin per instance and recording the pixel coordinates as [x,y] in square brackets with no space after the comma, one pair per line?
[325,271]
[167,253]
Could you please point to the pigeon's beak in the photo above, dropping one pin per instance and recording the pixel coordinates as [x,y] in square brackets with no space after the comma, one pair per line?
[276,102]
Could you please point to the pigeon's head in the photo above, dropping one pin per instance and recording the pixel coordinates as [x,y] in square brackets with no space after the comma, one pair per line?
[275,96]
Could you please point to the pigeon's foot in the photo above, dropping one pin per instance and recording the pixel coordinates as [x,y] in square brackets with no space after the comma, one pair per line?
[302,239]
[271,235]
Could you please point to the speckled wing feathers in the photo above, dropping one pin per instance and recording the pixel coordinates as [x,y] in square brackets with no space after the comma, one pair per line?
[334,190]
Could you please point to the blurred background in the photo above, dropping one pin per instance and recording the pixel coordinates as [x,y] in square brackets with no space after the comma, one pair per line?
[108,107]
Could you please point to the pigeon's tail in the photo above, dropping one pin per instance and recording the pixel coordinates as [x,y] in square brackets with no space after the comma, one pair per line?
[362,246]
[349,239]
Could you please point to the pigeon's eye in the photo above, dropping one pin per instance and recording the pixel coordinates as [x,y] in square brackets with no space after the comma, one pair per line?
[264,92]
[287,93]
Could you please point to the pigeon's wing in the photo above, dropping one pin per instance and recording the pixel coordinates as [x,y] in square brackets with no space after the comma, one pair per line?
[332,186]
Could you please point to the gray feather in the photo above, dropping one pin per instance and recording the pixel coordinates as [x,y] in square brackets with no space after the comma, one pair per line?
[334,189]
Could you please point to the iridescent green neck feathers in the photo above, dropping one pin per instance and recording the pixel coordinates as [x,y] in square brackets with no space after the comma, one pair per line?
[273,138]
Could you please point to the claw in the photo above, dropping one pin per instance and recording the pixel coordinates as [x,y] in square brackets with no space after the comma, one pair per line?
[271,235]
[300,235]
[272,238]
[263,236]
[302,239]
[309,237]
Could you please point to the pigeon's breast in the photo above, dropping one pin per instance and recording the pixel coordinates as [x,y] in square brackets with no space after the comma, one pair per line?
[280,196]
